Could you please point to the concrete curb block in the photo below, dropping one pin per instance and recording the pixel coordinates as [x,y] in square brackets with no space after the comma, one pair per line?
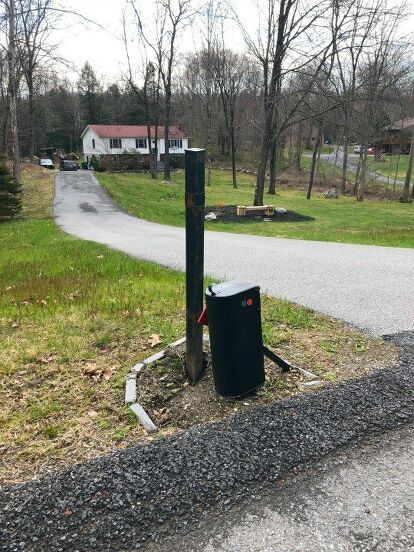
[143,417]
[131,386]
[308,374]
[131,389]
[131,383]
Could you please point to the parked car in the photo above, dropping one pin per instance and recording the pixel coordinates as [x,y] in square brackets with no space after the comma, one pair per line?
[370,150]
[46,163]
[68,165]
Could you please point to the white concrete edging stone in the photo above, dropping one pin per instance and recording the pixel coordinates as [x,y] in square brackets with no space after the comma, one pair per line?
[131,384]
[131,387]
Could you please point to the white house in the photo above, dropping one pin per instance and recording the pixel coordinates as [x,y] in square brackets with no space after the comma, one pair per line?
[114,139]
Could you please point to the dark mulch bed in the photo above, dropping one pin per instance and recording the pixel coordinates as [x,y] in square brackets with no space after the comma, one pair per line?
[228,213]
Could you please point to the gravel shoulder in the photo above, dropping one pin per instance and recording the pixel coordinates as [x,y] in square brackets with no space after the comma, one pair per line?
[125,500]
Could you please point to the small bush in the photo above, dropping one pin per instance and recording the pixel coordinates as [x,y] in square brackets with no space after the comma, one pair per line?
[95,163]
[121,162]
[177,161]
[10,193]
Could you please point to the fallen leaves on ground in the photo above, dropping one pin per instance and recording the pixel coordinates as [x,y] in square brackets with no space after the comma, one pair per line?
[97,373]
[154,340]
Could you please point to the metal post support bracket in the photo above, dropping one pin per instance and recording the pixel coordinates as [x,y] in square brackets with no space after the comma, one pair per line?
[195,200]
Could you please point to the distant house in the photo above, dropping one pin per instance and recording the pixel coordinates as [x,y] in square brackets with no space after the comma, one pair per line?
[396,138]
[115,139]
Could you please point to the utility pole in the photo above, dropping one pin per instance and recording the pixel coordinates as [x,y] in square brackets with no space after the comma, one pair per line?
[194,250]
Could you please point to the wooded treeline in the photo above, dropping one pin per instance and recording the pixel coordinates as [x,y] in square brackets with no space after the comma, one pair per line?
[337,69]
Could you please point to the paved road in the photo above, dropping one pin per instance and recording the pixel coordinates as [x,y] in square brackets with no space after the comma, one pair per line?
[370,287]
[359,500]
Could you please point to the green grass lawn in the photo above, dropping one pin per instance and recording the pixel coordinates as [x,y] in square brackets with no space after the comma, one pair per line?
[390,166]
[342,220]
[75,316]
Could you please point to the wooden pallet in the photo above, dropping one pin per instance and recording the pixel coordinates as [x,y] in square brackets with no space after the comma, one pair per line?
[268,210]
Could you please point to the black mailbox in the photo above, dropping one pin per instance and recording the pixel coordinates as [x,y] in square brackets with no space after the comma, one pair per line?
[236,342]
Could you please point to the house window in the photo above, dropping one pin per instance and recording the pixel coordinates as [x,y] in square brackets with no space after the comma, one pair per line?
[175,144]
[93,143]
[141,143]
[115,143]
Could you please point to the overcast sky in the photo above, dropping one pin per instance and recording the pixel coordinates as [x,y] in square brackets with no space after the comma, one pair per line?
[103,47]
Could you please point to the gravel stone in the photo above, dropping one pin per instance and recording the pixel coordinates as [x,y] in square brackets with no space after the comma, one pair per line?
[120,501]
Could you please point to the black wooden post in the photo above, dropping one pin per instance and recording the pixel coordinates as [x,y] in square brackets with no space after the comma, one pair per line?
[194,250]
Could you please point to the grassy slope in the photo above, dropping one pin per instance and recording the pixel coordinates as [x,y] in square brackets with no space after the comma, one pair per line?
[342,220]
[387,166]
[390,166]
[74,318]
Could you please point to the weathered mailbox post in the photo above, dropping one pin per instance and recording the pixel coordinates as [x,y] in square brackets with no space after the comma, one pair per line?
[194,250]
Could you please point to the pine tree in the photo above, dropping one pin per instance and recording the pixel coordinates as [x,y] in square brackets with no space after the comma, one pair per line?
[10,194]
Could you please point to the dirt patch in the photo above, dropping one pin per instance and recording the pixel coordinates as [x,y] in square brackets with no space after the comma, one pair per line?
[174,404]
[228,213]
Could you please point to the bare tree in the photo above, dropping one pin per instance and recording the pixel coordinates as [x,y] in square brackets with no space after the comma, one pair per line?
[381,72]
[171,16]
[357,40]
[229,70]
[148,96]
[13,83]
[407,182]
[278,49]
[34,17]
[210,14]
[4,102]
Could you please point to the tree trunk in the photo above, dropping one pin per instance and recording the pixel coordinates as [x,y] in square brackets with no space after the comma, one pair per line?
[358,173]
[314,162]
[363,175]
[271,102]
[13,94]
[406,191]
[335,163]
[263,157]
[167,170]
[396,170]
[273,157]
[209,124]
[5,129]
[298,147]
[233,156]
[344,163]
[31,120]
[153,162]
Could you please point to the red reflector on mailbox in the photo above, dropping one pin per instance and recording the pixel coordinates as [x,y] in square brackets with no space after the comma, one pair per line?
[203,320]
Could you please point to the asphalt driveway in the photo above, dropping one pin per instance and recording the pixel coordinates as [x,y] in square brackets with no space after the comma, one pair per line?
[368,286]
[352,166]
